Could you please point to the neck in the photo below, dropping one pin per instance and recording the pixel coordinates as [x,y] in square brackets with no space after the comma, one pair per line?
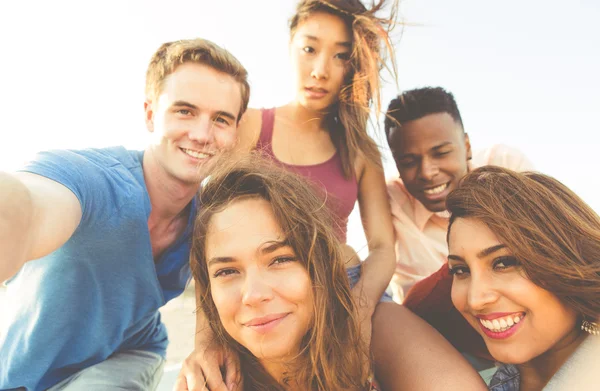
[169,197]
[303,118]
[536,373]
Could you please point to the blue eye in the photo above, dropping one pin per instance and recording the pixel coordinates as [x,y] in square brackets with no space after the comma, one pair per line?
[221,120]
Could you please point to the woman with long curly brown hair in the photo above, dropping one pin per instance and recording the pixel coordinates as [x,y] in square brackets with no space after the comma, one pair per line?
[525,255]
[272,281]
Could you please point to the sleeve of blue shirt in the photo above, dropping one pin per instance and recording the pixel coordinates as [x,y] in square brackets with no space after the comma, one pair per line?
[88,174]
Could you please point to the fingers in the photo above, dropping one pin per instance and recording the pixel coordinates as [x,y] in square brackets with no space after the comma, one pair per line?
[212,373]
[232,373]
[180,384]
[190,382]
[191,377]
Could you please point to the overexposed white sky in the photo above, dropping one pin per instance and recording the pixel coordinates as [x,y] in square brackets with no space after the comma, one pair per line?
[524,73]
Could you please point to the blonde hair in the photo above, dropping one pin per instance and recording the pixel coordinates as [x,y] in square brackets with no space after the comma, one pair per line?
[370,43]
[172,54]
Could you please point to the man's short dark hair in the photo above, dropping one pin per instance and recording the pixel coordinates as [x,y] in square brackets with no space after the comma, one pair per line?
[417,103]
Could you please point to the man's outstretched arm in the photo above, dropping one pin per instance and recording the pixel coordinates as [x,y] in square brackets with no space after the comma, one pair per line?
[37,216]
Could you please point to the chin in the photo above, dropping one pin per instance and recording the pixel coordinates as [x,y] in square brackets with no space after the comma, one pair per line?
[277,351]
[315,105]
[435,207]
[510,353]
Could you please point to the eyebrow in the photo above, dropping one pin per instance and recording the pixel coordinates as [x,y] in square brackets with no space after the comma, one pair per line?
[184,103]
[482,254]
[442,145]
[272,246]
[408,155]
[345,44]
[215,260]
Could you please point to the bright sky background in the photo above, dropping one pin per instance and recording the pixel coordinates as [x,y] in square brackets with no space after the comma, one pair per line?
[524,72]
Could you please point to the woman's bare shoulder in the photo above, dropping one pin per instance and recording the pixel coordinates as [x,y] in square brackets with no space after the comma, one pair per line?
[249,129]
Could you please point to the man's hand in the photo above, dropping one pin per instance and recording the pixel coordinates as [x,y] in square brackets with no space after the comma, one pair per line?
[214,368]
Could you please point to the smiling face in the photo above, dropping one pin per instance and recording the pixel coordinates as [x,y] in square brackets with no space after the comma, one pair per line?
[262,292]
[518,320]
[193,119]
[431,154]
[320,52]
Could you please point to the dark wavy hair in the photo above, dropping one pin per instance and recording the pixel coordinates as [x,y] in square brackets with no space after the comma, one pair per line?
[371,47]
[332,355]
[553,233]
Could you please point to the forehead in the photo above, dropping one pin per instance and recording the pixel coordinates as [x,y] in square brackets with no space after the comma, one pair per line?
[469,236]
[324,26]
[427,131]
[244,225]
[202,86]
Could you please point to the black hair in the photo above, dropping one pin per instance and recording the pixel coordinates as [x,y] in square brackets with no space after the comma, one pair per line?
[417,103]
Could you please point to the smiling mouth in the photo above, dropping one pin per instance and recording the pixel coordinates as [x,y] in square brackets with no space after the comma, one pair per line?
[436,190]
[196,154]
[502,324]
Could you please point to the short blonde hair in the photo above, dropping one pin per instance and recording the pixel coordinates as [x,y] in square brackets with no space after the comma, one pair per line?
[172,54]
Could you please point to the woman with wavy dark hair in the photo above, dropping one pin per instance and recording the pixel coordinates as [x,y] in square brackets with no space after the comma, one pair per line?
[272,282]
[525,255]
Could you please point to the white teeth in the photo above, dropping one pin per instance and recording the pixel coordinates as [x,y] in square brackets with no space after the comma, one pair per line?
[197,155]
[500,324]
[436,190]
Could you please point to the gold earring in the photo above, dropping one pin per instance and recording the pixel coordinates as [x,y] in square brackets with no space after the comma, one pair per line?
[590,327]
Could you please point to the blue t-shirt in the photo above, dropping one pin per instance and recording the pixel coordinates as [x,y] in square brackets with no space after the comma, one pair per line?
[100,292]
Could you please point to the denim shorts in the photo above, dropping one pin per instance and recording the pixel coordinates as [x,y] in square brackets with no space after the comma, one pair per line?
[354,274]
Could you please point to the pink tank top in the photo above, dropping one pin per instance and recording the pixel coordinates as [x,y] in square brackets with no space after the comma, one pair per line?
[341,193]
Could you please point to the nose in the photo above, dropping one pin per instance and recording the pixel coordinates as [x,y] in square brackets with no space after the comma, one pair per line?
[481,292]
[202,131]
[428,169]
[320,68]
[256,289]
